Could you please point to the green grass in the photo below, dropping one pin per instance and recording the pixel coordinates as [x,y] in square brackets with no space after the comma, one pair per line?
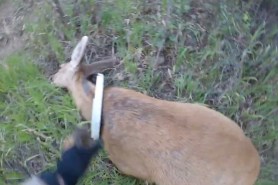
[34,117]
[224,56]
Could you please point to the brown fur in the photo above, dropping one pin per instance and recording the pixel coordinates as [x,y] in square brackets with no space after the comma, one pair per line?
[165,142]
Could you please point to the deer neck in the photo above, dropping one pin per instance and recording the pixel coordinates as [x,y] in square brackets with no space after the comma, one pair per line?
[82,92]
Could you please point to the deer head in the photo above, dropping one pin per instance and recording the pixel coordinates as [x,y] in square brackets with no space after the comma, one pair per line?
[73,76]
[68,71]
[72,71]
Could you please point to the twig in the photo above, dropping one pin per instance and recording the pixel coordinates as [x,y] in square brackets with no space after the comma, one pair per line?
[33,131]
[169,11]
[76,10]
[59,10]
[38,134]
[96,12]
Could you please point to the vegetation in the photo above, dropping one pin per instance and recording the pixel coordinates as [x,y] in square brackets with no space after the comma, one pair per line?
[220,53]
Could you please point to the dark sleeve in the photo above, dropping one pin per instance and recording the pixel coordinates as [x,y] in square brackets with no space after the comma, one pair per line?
[72,165]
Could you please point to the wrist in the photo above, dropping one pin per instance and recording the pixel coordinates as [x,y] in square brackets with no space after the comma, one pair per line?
[52,178]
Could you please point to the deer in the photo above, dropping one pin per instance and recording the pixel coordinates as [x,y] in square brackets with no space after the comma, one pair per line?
[159,141]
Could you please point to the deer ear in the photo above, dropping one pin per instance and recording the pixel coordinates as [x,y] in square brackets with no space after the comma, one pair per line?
[78,52]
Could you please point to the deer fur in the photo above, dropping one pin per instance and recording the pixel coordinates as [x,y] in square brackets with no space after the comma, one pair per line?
[168,143]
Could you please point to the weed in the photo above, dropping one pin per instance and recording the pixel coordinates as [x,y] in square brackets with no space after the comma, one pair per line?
[222,53]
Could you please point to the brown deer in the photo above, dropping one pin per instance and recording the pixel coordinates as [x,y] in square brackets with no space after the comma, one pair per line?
[168,143]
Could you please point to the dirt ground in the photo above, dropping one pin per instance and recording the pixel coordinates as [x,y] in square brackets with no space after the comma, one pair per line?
[12,27]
